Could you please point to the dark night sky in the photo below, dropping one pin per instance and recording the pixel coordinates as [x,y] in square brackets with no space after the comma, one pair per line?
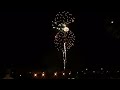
[27,39]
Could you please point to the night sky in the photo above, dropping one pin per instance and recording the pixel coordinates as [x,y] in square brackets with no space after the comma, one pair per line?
[27,39]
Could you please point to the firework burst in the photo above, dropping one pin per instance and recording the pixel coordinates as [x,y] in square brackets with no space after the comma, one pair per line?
[65,38]
[62,19]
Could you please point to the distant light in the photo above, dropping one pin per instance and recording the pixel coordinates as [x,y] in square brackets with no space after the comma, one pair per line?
[81,71]
[84,73]
[43,74]
[63,74]
[77,72]
[69,72]
[112,21]
[101,68]
[93,71]
[30,72]
[20,75]
[12,72]
[55,74]
[72,78]
[107,71]
[118,71]
[86,69]
[35,75]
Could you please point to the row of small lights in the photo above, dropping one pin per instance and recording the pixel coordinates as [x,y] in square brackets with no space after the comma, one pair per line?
[35,74]
[43,74]
[55,74]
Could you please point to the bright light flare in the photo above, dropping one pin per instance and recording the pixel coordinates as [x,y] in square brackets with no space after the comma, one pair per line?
[55,74]
[35,75]
[65,29]
[63,74]
[112,21]
[70,73]
[43,74]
